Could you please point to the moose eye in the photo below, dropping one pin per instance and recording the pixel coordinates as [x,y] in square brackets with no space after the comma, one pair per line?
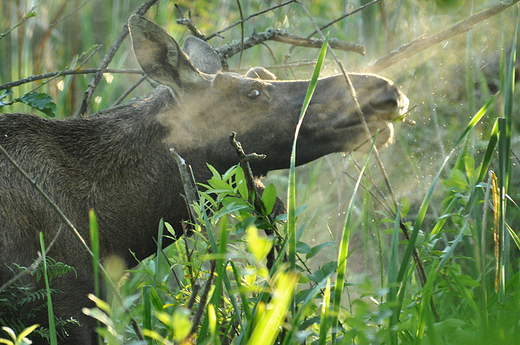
[253,94]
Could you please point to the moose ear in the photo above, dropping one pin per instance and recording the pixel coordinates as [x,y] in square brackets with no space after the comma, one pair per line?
[202,55]
[260,73]
[160,56]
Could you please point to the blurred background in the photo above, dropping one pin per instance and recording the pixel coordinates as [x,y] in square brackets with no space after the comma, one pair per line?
[446,83]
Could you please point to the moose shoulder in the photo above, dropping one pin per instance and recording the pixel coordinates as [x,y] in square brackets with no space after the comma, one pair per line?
[119,164]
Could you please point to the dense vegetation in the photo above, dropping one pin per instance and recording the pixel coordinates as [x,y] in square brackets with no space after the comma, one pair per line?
[344,269]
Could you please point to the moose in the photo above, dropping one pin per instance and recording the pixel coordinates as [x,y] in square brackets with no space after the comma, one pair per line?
[119,162]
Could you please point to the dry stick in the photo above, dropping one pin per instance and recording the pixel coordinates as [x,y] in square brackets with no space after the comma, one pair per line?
[67,72]
[251,187]
[189,186]
[384,20]
[242,34]
[24,19]
[202,303]
[247,18]
[107,59]
[68,15]
[191,197]
[344,16]
[67,222]
[422,274]
[189,24]
[89,57]
[289,52]
[419,44]
[130,89]
[248,173]
[280,35]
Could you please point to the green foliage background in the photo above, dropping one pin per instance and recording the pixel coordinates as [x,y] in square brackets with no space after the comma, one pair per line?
[447,83]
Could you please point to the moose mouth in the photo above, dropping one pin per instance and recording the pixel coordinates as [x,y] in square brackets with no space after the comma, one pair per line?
[337,118]
[340,116]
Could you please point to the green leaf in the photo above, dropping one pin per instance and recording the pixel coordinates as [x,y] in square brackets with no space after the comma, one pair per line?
[269,198]
[219,185]
[241,183]
[31,14]
[3,95]
[41,101]
[469,164]
[315,250]
[303,248]
[229,209]
[259,246]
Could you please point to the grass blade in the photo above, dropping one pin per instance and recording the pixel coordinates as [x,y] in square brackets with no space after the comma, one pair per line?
[147,311]
[291,194]
[52,325]
[343,249]
[392,275]
[270,323]
[324,318]
[160,232]
[424,206]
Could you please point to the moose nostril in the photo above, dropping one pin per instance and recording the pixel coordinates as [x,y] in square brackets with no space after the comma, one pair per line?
[384,103]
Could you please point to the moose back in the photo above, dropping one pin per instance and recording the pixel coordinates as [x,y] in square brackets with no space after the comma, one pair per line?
[119,163]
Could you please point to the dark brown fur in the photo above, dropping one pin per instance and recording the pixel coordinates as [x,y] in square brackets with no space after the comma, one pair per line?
[118,162]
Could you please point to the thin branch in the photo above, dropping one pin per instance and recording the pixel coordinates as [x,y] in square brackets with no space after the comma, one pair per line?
[189,24]
[68,15]
[67,72]
[279,35]
[289,52]
[130,89]
[248,173]
[107,59]
[89,57]
[190,188]
[419,44]
[247,18]
[203,300]
[242,34]
[29,14]
[343,17]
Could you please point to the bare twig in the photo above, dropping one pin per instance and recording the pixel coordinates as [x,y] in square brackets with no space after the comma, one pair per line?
[107,59]
[248,173]
[343,17]
[130,89]
[247,18]
[89,57]
[189,24]
[29,14]
[203,300]
[242,34]
[190,189]
[280,35]
[419,44]
[289,52]
[194,292]
[67,72]
[70,14]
